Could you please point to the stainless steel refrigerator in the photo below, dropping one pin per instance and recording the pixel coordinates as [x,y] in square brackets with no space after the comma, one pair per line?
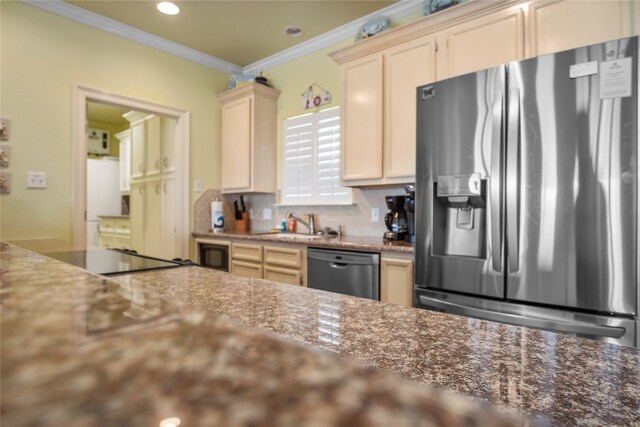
[527,193]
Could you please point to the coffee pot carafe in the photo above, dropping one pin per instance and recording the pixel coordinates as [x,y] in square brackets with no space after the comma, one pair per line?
[396,219]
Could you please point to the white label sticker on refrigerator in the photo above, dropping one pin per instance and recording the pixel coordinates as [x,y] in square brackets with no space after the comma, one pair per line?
[615,78]
[583,70]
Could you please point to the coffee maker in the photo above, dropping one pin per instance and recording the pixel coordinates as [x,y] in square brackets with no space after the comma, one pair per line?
[396,219]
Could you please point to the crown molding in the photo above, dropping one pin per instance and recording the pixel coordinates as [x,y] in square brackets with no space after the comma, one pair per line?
[395,11]
[100,22]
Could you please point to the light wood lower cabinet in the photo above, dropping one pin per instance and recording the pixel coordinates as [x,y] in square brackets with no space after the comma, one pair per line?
[246,269]
[279,263]
[283,275]
[115,232]
[396,281]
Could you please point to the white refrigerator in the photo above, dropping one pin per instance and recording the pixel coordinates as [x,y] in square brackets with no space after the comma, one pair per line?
[103,194]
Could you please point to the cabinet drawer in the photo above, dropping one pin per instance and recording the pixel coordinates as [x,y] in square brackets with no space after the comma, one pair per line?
[107,225]
[245,252]
[246,269]
[122,226]
[283,275]
[285,257]
[107,241]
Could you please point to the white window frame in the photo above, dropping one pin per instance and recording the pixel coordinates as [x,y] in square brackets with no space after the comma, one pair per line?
[296,170]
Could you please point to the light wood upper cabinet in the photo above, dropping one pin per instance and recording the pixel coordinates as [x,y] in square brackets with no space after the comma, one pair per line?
[249,139]
[405,68]
[481,43]
[561,25]
[361,119]
[379,113]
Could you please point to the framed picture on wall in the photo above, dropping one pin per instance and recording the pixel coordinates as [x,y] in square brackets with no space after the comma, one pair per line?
[4,130]
[4,155]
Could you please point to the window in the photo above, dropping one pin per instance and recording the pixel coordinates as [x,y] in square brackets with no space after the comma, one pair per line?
[311,160]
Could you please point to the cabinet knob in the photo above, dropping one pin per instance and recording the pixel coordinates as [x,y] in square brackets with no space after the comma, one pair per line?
[157,163]
[166,161]
[157,188]
[141,167]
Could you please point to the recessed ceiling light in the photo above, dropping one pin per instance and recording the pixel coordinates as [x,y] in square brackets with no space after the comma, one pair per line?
[168,8]
[293,31]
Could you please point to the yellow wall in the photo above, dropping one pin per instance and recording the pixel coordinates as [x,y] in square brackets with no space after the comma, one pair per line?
[42,56]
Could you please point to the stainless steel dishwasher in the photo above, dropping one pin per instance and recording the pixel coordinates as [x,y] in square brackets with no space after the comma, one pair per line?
[349,273]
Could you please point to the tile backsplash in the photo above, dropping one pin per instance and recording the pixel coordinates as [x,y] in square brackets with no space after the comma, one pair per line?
[355,219]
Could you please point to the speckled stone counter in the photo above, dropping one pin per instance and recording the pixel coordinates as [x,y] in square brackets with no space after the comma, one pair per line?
[556,379]
[78,349]
[373,244]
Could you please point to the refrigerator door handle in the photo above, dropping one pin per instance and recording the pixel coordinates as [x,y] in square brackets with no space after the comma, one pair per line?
[569,326]
[496,180]
[513,177]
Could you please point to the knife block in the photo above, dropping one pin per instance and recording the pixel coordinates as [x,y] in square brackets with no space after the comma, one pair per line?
[242,225]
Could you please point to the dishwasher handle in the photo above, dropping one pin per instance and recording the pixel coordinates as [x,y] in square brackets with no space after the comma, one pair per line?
[339,265]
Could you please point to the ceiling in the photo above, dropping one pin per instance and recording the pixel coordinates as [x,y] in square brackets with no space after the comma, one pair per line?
[105,113]
[237,31]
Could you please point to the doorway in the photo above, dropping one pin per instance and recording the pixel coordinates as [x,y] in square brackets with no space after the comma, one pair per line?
[82,97]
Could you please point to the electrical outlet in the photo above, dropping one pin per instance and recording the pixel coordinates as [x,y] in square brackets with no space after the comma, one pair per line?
[266,213]
[36,180]
[198,186]
[375,214]
[250,213]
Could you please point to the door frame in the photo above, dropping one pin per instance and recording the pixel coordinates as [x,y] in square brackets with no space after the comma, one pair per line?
[82,95]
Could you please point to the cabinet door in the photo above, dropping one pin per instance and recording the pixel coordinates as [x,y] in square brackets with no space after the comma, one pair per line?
[168,218]
[246,269]
[125,165]
[137,150]
[481,43]
[361,119]
[405,67]
[153,220]
[563,25]
[153,142]
[283,275]
[108,241]
[236,144]
[169,127]
[396,281]
[136,216]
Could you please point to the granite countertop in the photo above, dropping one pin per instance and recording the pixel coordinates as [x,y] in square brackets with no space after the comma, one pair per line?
[79,349]
[555,379]
[375,244]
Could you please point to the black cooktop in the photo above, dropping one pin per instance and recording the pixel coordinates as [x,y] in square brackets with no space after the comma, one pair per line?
[112,261]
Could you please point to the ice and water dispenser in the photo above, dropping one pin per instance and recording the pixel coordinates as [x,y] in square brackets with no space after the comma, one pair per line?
[459,209]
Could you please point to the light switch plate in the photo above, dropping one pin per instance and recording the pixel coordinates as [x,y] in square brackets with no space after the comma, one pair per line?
[266,213]
[375,214]
[36,180]
[198,186]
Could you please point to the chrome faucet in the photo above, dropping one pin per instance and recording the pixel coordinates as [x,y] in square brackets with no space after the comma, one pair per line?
[310,225]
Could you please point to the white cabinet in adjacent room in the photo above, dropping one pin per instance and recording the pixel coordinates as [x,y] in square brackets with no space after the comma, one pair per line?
[125,160]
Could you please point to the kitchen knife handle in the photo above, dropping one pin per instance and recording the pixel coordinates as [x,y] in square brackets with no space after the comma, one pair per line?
[513,177]
[495,181]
